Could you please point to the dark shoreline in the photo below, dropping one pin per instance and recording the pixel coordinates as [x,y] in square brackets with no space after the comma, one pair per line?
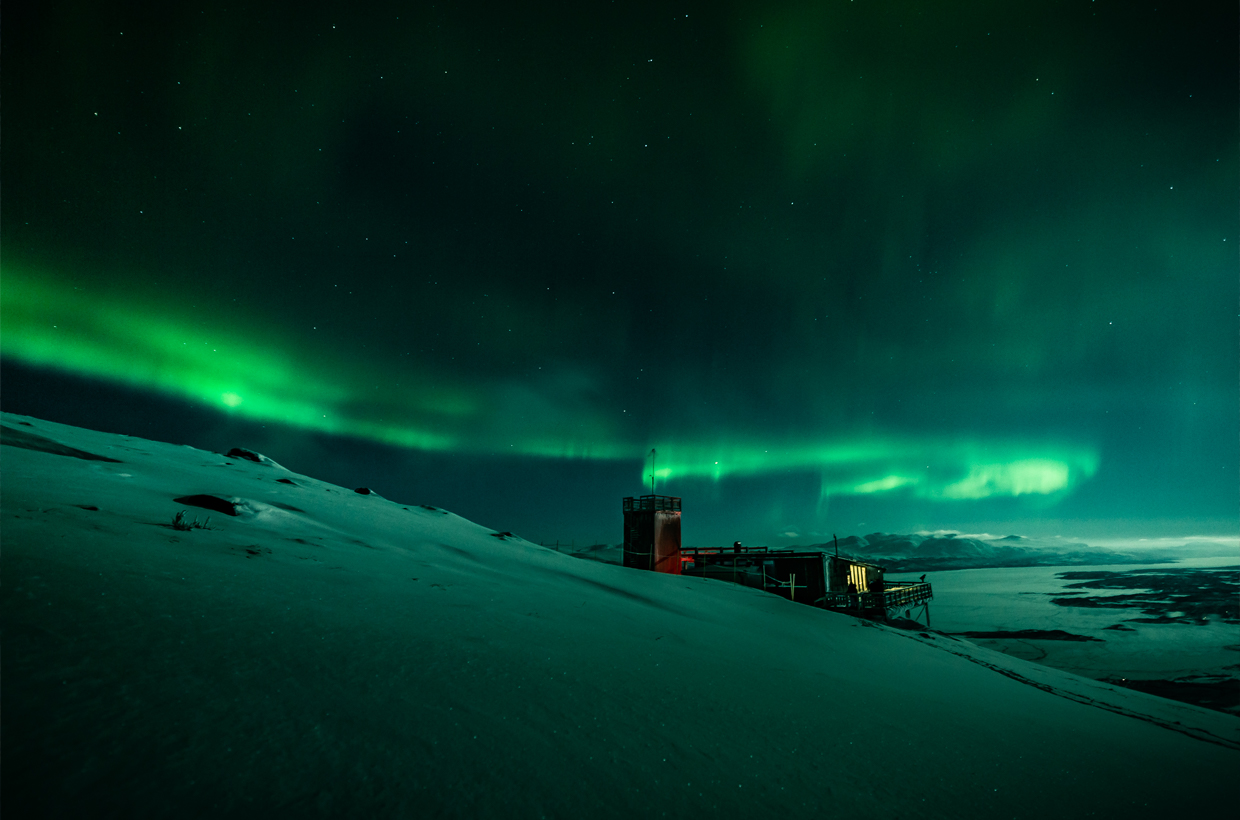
[1221,695]
[1029,635]
[1193,596]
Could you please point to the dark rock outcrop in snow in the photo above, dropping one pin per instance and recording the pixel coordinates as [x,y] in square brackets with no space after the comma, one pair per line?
[209,502]
[250,455]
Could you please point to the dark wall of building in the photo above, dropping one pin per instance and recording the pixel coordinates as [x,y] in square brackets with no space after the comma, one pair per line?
[652,540]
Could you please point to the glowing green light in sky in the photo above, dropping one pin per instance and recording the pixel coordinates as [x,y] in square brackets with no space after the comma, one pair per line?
[218,358]
[942,469]
[1028,476]
[880,485]
[209,355]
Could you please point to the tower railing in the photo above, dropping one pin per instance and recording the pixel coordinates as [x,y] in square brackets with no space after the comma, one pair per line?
[652,503]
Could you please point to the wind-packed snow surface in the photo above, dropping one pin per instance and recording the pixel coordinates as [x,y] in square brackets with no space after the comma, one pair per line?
[325,652]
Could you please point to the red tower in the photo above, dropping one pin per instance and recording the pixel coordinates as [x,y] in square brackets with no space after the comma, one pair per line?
[652,533]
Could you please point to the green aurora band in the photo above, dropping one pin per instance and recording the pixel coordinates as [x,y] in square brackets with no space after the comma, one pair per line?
[229,363]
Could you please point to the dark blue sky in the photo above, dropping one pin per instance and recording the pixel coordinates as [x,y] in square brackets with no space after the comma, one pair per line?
[846,266]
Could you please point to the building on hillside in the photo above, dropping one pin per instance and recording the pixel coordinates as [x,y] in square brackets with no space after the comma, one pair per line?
[814,577]
[652,533]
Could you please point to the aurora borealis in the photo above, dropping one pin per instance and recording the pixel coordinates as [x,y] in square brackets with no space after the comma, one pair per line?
[844,266]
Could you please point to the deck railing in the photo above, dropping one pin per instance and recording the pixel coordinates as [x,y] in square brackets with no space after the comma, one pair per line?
[895,595]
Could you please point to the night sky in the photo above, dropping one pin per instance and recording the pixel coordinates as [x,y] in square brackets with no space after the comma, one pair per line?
[845,266]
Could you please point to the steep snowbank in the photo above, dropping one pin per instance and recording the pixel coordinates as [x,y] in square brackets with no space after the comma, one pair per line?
[324,651]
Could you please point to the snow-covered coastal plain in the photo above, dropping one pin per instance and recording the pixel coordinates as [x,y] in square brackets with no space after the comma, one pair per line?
[313,650]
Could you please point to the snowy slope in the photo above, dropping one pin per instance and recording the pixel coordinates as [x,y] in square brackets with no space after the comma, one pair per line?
[327,652]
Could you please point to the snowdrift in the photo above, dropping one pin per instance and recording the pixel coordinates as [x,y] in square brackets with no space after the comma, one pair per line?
[326,652]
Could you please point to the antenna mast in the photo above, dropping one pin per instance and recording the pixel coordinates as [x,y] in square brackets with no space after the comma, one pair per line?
[654,459]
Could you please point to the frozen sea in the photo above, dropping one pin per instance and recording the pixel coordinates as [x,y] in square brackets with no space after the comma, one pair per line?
[1021,598]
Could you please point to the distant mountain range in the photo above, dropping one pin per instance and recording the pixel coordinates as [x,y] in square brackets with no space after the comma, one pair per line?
[941,551]
[922,552]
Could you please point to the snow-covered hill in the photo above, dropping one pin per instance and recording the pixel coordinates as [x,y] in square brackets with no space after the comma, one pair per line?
[318,651]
